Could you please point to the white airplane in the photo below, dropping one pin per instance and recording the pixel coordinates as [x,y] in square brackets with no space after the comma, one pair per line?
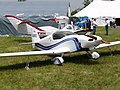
[61,42]
[25,27]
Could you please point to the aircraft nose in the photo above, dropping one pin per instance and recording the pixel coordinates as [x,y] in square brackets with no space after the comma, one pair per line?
[97,39]
[90,41]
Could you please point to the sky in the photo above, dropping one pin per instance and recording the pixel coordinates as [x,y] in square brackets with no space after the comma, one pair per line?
[74,3]
[38,6]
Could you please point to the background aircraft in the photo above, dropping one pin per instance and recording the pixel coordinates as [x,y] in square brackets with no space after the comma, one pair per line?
[25,27]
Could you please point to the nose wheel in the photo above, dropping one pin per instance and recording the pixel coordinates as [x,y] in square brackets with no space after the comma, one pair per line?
[94,55]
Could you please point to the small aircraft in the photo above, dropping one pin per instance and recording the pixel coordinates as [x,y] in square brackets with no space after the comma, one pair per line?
[25,27]
[61,42]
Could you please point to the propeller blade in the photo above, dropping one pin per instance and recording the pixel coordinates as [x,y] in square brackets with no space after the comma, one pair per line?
[105,42]
[93,37]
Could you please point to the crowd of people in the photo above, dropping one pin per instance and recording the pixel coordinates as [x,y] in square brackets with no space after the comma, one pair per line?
[91,24]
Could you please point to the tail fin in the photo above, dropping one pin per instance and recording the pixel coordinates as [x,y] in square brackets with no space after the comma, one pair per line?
[14,20]
[33,30]
[23,26]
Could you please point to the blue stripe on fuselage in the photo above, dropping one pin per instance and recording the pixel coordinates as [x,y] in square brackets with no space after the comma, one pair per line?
[54,45]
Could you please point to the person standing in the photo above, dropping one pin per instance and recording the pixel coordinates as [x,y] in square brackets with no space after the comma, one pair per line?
[94,24]
[114,23]
[107,26]
[88,25]
[111,23]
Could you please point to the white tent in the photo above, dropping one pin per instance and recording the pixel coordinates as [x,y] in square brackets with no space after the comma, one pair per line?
[101,8]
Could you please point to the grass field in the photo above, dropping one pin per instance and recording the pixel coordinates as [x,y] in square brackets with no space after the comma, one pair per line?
[78,72]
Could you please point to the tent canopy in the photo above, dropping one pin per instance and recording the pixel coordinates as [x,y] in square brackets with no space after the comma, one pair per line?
[101,8]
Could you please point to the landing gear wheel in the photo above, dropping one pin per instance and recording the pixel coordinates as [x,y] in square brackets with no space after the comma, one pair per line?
[27,66]
[95,55]
[58,60]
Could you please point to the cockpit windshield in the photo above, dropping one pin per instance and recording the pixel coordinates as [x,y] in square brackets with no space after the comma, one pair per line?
[61,34]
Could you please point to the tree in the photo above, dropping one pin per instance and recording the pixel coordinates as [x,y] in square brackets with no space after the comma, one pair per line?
[87,2]
[74,12]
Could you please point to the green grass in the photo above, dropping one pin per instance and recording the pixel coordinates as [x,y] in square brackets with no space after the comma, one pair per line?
[77,73]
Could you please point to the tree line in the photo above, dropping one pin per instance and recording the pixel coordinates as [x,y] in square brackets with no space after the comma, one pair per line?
[85,3]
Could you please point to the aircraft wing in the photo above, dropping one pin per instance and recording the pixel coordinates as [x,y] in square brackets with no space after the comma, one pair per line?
[106,45]
[32,53]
